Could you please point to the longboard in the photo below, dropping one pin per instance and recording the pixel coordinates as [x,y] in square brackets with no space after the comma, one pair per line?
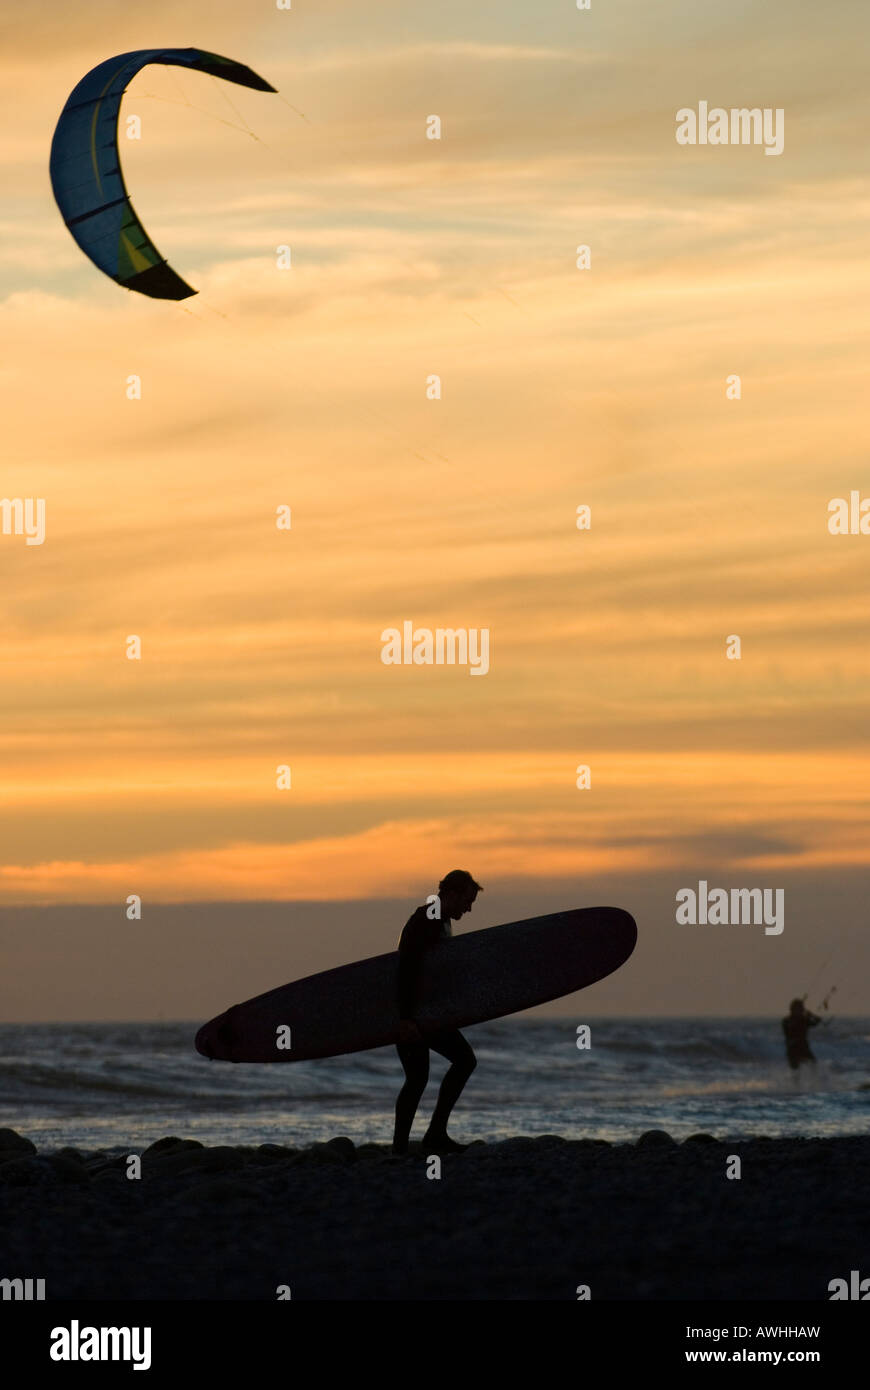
[464,980]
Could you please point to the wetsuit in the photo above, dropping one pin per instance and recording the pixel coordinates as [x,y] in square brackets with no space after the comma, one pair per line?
[797,1047]
[420,933]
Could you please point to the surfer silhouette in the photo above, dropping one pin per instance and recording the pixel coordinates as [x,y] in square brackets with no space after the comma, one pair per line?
[430,923]
[795,1026]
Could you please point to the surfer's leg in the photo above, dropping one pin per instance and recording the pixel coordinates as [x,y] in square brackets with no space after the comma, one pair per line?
[462,1063]
[415,1059]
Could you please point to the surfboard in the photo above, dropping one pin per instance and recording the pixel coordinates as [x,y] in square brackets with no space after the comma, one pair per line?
[464,980]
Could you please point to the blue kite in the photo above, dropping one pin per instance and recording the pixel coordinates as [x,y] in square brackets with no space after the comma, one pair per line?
[86,175]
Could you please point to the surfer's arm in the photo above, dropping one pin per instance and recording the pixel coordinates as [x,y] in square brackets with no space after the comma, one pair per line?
[415,939]
[812,1020]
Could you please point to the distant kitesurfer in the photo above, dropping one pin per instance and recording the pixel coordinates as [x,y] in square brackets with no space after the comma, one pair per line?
[429,924]
[795,1026]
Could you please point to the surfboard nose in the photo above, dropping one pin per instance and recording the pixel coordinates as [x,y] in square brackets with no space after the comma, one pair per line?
[203,1041]
[624,931]
[217,1038]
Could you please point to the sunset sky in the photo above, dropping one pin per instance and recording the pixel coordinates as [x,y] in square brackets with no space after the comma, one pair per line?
[307,387]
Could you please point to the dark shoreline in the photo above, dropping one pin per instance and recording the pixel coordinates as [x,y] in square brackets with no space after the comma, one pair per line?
[519,1219]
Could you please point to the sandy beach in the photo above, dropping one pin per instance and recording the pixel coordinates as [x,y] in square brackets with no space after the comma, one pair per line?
[519,1219]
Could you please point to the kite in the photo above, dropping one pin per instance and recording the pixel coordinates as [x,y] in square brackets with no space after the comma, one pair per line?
[85,168]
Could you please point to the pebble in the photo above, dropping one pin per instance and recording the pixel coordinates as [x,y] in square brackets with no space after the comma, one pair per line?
[11,1142]
[656,1139]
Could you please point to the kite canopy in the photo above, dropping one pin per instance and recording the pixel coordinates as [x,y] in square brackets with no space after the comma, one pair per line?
[86,176]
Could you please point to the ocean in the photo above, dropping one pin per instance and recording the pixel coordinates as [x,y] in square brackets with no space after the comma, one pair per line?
[123,1085]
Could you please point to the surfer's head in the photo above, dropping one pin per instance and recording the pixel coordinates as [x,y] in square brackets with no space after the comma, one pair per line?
[796,1006]
[457,891]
